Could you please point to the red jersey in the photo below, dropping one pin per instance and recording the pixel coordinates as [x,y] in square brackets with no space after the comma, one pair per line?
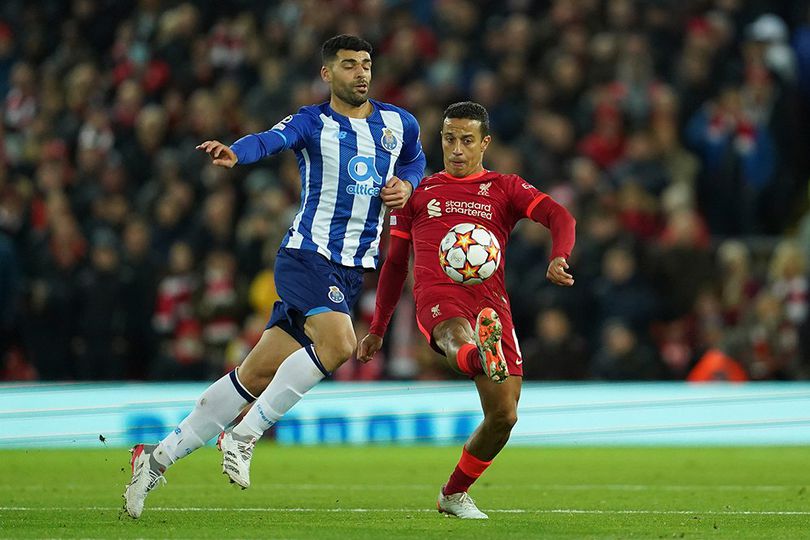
[492,200]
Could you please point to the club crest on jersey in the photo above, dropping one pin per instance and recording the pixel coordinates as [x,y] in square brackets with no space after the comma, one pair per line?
[435,311]
[335,295]
[389,140]
[483,188]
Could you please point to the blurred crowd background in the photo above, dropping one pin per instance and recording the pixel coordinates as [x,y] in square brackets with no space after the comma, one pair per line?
[676,131]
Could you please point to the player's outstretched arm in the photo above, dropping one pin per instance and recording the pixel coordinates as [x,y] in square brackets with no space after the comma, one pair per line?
[557,274]
[220,153]
[563,235]
[389,289]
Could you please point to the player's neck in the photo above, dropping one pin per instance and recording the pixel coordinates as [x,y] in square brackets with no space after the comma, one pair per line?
[475,173]
[341,107]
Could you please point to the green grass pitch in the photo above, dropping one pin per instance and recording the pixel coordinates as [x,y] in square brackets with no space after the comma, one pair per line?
[389,492]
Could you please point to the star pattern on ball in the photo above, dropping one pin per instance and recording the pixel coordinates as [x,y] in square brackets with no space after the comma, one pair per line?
[469,271]
[464,240]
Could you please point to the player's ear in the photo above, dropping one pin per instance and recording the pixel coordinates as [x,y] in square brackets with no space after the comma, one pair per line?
[326,74]
[485,142]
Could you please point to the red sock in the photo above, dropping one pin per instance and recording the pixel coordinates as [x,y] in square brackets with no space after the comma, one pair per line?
[467,471]
[469,360]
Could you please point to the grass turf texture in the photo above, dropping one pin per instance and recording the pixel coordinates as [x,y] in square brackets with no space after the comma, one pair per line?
[389,492]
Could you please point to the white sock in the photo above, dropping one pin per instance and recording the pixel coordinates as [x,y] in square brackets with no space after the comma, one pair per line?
[295,377]
[216,408]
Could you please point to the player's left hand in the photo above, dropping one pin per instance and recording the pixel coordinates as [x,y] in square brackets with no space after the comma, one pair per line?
[396,192]
[220,153]
[368,347]
[557,274]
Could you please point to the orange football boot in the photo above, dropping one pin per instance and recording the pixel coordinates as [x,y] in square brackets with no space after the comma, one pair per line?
[488,333]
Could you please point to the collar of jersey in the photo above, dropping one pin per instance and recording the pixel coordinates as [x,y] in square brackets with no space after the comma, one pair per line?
[470,178]
[374,111]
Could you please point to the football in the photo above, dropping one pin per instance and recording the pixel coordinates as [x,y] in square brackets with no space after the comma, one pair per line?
[469,254]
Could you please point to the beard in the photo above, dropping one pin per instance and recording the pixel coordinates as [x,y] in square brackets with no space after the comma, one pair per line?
[347,94]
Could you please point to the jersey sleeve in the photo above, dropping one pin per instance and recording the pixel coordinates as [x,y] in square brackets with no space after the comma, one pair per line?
[411,162]
[389,288]
[530,202]
[291,132]
[561,224]
[523,197]
[400,221]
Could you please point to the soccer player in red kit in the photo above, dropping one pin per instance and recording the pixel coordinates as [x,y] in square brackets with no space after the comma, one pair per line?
[470,324]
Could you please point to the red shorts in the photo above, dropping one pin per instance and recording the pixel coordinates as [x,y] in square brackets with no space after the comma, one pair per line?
[440,304]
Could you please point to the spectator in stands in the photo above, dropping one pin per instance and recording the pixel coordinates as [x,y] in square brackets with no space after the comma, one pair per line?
[557,353]
[622,357]
[739,159]
[9,292]
[766,342]
[56,256]
[787,280]
[681,263]
[788,284]
[100,312]
[141,281]
[738,286]
[219,306]
[621,293]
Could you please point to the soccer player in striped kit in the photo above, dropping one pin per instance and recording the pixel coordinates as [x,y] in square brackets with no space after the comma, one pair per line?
[357,157]
[470,324]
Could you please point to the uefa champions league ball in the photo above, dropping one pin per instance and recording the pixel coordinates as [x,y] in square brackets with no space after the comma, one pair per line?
[469,254]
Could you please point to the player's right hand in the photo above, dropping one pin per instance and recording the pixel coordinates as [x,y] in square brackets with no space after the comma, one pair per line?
[368,347]
[396,193]
[557,274]
[220,153]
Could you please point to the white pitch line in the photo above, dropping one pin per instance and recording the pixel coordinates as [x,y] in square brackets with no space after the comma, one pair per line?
[420,487]
[533,487]
[541,487]
[421,510]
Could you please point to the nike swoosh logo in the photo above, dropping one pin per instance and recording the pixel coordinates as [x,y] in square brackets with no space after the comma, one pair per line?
[431,187]
[519,361]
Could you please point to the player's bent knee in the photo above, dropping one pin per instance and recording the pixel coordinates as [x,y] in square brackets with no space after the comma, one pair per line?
[336,351]
[256,372]
[344,349]
[254,382]
[502,420]
[451,335]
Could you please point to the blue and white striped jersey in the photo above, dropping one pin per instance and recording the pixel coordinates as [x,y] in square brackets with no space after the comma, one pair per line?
[344,162]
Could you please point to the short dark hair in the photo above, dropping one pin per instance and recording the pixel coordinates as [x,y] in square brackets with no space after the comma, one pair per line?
[469,110]
[331,46]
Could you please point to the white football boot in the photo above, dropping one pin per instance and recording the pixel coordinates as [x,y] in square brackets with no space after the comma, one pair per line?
[236,454]
[147,474]
[459,505]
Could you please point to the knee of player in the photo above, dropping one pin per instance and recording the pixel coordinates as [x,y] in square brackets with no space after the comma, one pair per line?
[451,336]
[254,381]
[503,419]
[337,348]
